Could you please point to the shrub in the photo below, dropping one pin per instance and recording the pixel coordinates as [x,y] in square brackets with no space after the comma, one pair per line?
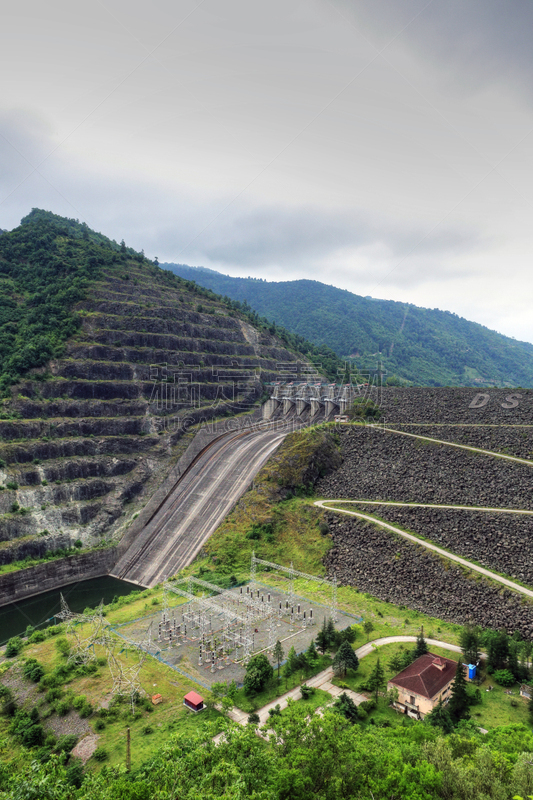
[14,646]
[86,710]
[63,707]
[33,670]
[53,694]
[100,754]
[504,677]
[66,743]
[12,485]
[307,691]
[147,730]
[36,637]
[27,728]
[79,701]
[62,646]
[254,719]
[99,725]
[74,774]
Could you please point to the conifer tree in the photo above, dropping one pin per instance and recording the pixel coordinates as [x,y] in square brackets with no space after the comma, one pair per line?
[439,717]
[470,644]
[459,700]
[322,638]
[377,679]
[278,654]
[421,647]
[345,659]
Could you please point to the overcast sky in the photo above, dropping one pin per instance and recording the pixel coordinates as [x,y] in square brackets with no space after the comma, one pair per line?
[382,146]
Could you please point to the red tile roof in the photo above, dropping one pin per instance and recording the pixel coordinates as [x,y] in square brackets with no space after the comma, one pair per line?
[194,698]
[426,676]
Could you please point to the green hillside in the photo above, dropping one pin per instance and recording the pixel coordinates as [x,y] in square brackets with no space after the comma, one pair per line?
[427,347]
[47,265]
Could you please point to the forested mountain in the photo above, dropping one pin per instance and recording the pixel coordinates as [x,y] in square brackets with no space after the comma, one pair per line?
[427,347]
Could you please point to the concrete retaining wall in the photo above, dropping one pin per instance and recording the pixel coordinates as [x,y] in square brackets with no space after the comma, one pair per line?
[54,574]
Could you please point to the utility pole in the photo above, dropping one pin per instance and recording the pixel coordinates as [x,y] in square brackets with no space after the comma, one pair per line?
[128,749]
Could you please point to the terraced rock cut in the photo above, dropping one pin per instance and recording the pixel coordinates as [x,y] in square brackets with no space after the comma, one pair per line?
[94,421]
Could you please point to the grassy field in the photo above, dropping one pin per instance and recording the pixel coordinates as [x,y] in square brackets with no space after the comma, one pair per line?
[276,688]
[495,708]
[149,727]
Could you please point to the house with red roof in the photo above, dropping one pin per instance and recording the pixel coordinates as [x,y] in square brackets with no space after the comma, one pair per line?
[422,684]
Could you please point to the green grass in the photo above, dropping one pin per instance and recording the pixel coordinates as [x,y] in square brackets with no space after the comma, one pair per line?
[155,677]
[317,700]
[275,689]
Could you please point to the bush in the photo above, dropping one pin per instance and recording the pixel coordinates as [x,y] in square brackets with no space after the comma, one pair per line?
[307,691]
[27,728]
[504,677]
[62,646]
[33,670]
[86,710]
[66,743]
[36,637]
[74,774]
[99,725]
[14,646]
[79,701]
[254,719]
[12,485]
[100,754]
[53,694]
[368,705]
[147,730]
[63,707]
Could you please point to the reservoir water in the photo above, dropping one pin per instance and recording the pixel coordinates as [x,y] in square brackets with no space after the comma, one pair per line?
[39,610]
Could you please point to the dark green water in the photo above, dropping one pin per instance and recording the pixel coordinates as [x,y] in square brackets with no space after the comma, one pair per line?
[40,609]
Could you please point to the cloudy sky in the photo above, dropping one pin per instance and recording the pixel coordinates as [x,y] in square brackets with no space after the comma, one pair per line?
[382,146]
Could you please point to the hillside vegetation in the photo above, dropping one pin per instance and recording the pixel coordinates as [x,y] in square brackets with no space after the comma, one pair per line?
[427,347]
[106,361]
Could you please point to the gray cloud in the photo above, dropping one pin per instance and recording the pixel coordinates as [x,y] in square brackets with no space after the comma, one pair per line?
[273,140]
[474,42]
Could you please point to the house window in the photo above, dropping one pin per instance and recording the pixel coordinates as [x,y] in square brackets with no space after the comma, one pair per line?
[412,700]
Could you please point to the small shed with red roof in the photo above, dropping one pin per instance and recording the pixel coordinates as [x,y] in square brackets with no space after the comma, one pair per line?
[422,684]
[194,701]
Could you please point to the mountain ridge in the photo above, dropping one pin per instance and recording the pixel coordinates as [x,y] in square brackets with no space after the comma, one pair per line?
[420,346]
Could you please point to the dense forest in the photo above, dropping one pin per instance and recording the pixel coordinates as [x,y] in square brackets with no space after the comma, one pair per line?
[324,757]
[426,347]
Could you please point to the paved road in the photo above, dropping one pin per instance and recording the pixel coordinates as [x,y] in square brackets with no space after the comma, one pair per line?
[205,494]
[327,504]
